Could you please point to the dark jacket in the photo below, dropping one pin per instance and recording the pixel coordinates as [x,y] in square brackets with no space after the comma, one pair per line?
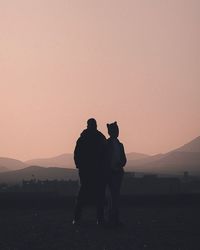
[89,153]
[122,156]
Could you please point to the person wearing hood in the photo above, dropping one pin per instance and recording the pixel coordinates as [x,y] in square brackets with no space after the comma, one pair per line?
[89,155]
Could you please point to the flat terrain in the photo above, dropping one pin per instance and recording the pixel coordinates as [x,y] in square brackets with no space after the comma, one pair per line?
[146,226]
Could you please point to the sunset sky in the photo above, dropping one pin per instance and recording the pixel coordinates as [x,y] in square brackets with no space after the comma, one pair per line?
[132,61]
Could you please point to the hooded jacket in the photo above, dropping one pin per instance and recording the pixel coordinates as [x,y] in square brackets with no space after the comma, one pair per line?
[89,153]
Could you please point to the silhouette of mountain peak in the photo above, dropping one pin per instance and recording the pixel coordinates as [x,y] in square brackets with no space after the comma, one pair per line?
[192,146]
[11,163]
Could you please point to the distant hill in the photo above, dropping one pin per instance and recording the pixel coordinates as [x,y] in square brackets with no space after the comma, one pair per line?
[62,161]
[136,156]
[3,169]
[41,173]
[66,160]
[139,164]
[179,162]
[184,158]
[11,164]
[192,146]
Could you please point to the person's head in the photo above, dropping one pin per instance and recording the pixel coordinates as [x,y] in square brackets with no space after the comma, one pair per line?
[113,130]
[91,124]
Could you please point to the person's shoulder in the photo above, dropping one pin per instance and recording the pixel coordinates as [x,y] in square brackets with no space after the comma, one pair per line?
[101,135]
[82,136]
[83,133]
[120,143]
[109,140]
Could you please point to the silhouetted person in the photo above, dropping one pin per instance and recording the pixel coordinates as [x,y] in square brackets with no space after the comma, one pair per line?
[116,160]
[89,155]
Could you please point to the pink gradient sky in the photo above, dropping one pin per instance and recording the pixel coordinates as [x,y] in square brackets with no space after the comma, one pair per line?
[61,62]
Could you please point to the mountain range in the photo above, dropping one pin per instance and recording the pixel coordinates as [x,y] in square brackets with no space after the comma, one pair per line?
[61,161]
[7,164]
[184,158]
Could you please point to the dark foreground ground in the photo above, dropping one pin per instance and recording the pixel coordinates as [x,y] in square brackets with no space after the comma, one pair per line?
[148,225]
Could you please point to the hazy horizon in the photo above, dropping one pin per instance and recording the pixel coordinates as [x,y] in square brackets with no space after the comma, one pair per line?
[62,62]
[71,153]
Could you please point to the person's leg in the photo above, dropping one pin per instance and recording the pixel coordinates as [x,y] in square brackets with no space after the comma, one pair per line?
[79,204]
[110,199]
[100,201]
[115,196]
[80,198]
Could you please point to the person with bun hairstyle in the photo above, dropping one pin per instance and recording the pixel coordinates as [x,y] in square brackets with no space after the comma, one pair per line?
[116,160]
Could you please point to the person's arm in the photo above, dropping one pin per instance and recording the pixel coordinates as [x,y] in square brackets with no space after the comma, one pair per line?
[123,156]
[77,154]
